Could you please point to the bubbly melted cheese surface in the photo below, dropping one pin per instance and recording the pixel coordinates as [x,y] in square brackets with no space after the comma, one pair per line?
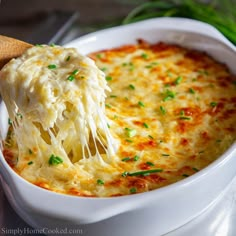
[171,112]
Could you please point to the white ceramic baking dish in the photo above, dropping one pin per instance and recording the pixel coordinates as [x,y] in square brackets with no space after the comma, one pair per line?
[152,213]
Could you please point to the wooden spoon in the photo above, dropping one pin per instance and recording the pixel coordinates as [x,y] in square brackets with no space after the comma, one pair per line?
[11,48]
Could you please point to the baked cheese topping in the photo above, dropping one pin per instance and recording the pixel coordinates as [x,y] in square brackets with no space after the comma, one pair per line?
[171,109]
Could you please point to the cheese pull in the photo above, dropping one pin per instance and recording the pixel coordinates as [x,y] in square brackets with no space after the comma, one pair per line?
[55,98]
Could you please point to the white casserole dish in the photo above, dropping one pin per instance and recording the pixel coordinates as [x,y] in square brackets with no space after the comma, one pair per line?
[152,213]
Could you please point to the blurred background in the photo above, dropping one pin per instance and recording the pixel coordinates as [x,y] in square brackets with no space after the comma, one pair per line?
[43,21]
[60,21]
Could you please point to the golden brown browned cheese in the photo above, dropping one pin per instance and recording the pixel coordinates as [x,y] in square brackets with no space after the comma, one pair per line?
[173,111]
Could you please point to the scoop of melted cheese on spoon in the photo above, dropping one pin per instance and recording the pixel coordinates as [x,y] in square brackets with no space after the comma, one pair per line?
[56,101]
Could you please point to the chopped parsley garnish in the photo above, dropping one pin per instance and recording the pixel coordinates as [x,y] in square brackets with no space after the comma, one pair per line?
[113,96]
[133,190]
[136,158]
[168,95]
[163,110]
[150,136]
[146,125]
[30,162]
[54,160]
[100,182]
[131,86]
[130,132]
[192,91]
[30,151]
[142,173]
[141,104]
[178,80]
[150,163]
[108,126]
[52,66]
[195,169]
[68,58]
[182,113]
[39,45]
[108,78]
[213,104]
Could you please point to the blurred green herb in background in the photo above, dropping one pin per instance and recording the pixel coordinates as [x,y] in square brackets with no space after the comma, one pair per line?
[219,13]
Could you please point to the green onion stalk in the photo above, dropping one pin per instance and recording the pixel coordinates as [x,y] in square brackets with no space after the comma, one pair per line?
[219,13]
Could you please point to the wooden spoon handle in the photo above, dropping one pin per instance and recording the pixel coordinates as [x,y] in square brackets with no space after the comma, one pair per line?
[11,48]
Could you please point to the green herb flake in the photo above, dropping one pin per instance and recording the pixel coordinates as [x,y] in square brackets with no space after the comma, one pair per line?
[39,45]
[178,80]
[9,121]
[30,152]
[131,86]
[165,155]
[100,182]
[108,78]
[150,66]
[213,104]
[146,125]
[185,118]
[141,173]
[108,105]
[68,58]
[108,126]
[133,190]
[195,169]
[136,158]
[150,163]
[185,175]
[52,66]
[124,174]
[182,113]
[144,55]
[103,69]
[163,110]
[192,91]
[71,77]
[218,140]
[141,104]
[52,44]
[75,72]
[113,96]
[30,163]
[150,136]
[168,95]
[130,132]
[128,140]
[54,160]
[126,159]
[99,56]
